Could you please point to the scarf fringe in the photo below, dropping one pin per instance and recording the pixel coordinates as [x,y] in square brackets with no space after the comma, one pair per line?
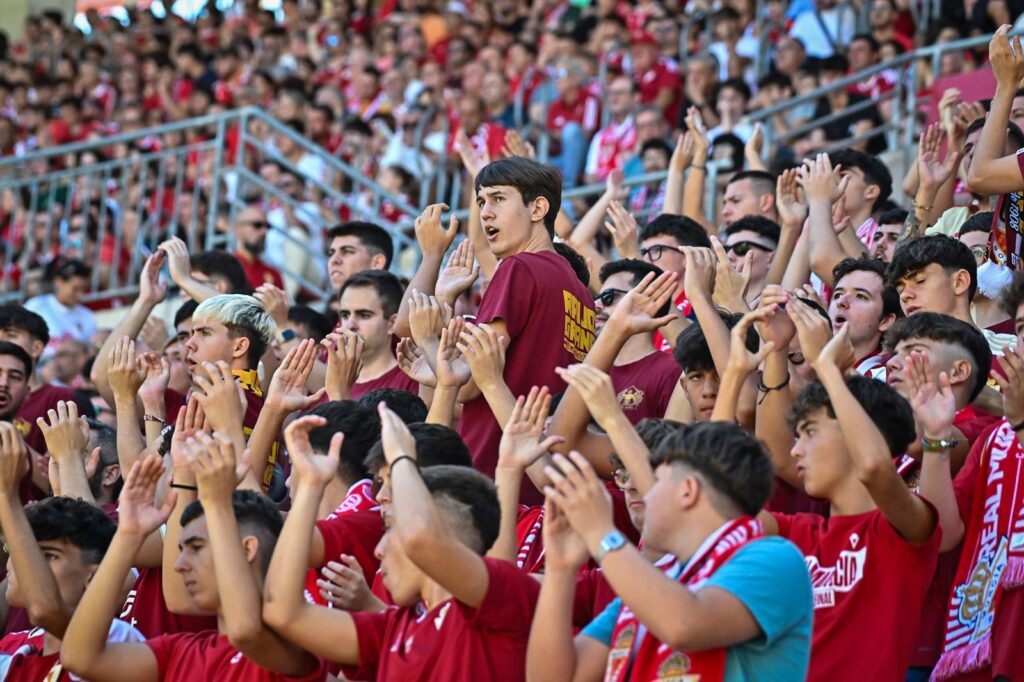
[963,660]
[1013,574]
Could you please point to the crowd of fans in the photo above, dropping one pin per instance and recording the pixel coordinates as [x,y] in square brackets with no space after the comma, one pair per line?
[776,442]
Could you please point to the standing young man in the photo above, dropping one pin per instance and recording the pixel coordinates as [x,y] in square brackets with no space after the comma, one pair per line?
[534,299]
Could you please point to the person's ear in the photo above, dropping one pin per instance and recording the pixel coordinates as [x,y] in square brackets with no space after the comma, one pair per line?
[391,324]
[689,492]
[539,208]
[240,348]
[378,262]
[961,282]
[111,474]
[871,193]
[251,547]
[961,372]
[887,322]
[35,349]
[766,204]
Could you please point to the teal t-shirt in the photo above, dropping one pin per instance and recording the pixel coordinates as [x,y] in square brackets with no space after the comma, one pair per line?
[770,578]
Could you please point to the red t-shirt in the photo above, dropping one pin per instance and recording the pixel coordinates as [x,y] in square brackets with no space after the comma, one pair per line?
[586,111]
[146,610]
[645,386]
[22,658]
[208,655]
[683,305]
[452,641]
[869,588]
[1008,624]
[354,528]
[259,273]
[393,378]
[654,80]
[550,320]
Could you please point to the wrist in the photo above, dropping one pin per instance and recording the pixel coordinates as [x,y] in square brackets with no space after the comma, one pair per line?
[183,475]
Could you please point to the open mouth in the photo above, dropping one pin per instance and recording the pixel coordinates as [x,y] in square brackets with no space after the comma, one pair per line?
[490,232]
[911,310]
[839,321]
[5,400]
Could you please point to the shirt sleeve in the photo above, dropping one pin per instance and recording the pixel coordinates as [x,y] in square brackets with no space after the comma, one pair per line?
[370,633]
[602,627]
[163,648]
[509,602]
[508,296]
[770,578]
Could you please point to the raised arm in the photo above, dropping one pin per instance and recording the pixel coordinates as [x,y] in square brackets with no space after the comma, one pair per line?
[590,224]
[740,366]
[872,462]
[181,271]
[822,186]
[84,649]
[328,633]
[434,242]
[452,375]
[682,159]
[696,179]
[990,172]
[151,293]
[67,437]
[792,215]
[36,582]
[423,532]
[776,400]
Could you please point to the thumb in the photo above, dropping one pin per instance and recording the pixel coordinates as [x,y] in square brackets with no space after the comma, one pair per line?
[92,463]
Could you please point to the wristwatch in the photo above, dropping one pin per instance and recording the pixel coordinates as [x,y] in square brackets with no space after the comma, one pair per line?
[609,543]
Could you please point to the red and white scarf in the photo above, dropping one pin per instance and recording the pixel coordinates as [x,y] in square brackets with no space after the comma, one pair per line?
[993,556]
[530,528]
[637,655]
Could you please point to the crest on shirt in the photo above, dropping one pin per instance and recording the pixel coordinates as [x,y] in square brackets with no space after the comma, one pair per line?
[630,398]
[24,428]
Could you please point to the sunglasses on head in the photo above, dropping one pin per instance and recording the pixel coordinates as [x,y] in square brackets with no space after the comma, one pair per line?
[743,248]
[608,296]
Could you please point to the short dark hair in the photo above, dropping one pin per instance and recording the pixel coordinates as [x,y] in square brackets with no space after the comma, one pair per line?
[890,299]
[361,426]
[762,182]
[875,172]
[889,411]
[185,311]
[468,494]
[946,329]
[737,84]
[79,523]
[951,254]
[728,458]
[316,322]
[979,222]
[1013,295]
[638,269]
[894,216]
[371,235]
[764,227]
[658,144]
[255,515]
[532,180]
[222,264]
[19,318]
[653,431]
[409,407]
[106,441]
[774,78]
[386,284]
[869,39]
[686,231]
[692,351]
[577,262]
[13,349]
[1013,131]
[65,269]
[435,445]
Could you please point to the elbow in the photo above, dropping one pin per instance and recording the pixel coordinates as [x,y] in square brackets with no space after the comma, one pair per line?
[77,659]
[683,636]
[980,181]
[48,615]
[245,632]
[277,614]
[952,535]
[874,469]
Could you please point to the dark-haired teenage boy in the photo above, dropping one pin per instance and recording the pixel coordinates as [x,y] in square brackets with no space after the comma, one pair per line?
[662,243]
[356,246]
[731,605]
[863,300]
[15,382]
[226,542]
[55,547]
[938,274]
[759,237]
[867,559]
[459,616]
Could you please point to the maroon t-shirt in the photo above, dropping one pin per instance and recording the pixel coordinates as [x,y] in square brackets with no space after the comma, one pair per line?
[146,610]
[645,386]
[550,320]
[452,641]
[393,378]
[36,405]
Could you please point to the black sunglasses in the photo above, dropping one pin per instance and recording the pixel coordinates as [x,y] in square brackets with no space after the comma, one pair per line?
[258,224]
[743,248]
[608,296]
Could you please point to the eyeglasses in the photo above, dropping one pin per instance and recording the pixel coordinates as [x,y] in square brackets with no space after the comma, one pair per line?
[653,253]
[608,296]
[621,477]
[741,249]
[258,224]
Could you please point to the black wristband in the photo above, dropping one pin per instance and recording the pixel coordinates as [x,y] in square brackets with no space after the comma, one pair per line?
[1018,427]
[401,457]
[761,388]
[184,486]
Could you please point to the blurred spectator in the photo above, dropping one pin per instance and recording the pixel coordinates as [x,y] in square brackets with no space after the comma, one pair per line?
[62,309]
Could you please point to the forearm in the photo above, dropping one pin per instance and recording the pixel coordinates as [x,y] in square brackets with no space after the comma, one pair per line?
[442,406]
[591,222]
[783,254]
[798,269]
[674,188]
[728,395]
[992,140]
[868,448]
[176,596]
[508,481]
[238,593]
[771,425]
[936,486]
[45,607]
[283,588]
[693,196]
[825,251]
[130,326]
[264,434]
[425,280]
[632,450]
[715,331]
[196,290]
[499,398]
[73,481]
[85,640]
[481,247]
[130,443]
[551,654]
